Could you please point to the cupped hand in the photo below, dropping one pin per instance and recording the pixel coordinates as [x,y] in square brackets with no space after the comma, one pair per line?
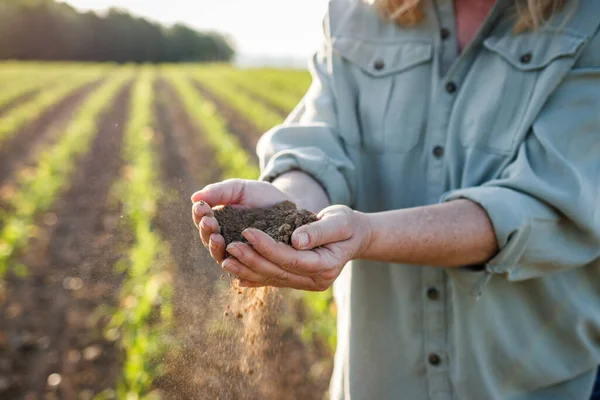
[320,251]
[235,192]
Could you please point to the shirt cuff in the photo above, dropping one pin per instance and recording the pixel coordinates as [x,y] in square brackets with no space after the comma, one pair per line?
[509,212]
[314,162]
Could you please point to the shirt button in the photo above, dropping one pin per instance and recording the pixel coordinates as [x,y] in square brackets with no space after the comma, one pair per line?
[450,87]
[433,293]
[445,33]
[434,359]
[526,58]
[438,151]
[379,65]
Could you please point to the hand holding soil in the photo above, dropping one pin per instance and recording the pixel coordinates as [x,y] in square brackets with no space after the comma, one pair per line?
[277,245]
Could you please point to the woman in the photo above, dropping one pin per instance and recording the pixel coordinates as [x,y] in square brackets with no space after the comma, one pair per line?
[458,142]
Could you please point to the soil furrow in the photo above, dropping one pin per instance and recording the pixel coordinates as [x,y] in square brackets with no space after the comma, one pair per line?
[237,124]
[53,320]
[22,149]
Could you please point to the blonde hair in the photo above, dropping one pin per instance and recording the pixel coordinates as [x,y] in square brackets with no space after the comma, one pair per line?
[530,13]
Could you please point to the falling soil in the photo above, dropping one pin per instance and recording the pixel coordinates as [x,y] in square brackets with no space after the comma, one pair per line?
[279,221]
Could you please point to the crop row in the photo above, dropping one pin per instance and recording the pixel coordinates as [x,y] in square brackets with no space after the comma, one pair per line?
[258,85]
[12,122]
[37,189]
[262,116]
[144,312]
[232,158]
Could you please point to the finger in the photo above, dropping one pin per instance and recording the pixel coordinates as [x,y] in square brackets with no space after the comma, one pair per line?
[304,263]
[208,226]
[221,193]
[199,210]
[216,247]
[238,269]
[271,274]
[331,228]
[249,284]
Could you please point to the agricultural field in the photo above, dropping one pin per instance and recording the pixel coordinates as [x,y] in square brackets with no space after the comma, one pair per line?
[105,290]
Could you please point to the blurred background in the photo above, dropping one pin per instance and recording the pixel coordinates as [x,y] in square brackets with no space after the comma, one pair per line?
[112,113]
[261,32]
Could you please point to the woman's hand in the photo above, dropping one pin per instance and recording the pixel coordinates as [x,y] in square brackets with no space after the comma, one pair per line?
[321,249]
[238,193]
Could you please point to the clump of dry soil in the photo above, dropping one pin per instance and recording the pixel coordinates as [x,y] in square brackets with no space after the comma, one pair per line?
[278,221]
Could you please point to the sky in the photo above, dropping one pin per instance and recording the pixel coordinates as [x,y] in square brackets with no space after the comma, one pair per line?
[260,28]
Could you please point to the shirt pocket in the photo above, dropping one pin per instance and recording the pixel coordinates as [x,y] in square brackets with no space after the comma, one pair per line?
[391,87]
[508,84]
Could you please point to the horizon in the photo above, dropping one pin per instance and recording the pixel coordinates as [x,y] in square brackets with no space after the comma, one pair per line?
[280,34]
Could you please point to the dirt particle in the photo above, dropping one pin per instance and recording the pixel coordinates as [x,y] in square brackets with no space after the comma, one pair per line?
[73,356]
[239,315]
[91,353]
[54,380]
[278,221]
[85,395]
[43,342]
[50,219]
[71,283]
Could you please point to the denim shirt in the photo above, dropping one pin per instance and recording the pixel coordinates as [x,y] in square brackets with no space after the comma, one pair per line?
[396,118]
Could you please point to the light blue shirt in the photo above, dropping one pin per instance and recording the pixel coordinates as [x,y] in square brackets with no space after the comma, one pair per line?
[396,118]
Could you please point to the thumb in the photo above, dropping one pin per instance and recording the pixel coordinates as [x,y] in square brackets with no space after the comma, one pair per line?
[334,226]
[230,191]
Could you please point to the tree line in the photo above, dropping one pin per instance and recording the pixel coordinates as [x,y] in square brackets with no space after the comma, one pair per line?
[47,30]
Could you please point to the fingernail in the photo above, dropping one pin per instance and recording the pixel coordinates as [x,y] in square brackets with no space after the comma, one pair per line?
[302,240]
[234,250]
[197,207]
[229,267]
[249,235]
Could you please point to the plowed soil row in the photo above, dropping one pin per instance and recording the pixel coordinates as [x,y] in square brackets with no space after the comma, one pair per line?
[51,322]
[24,147]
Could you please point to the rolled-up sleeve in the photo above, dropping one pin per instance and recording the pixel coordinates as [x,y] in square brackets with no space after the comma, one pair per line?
[309,140]
[545,205]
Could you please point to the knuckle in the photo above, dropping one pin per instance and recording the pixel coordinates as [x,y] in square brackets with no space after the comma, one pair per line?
[329,275]
[282,276]
[291,265]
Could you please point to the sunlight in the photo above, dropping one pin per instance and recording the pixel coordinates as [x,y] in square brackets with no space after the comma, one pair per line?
[269,28]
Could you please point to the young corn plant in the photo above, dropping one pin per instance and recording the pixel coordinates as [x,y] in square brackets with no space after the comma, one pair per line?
[143,316]
[36,190]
